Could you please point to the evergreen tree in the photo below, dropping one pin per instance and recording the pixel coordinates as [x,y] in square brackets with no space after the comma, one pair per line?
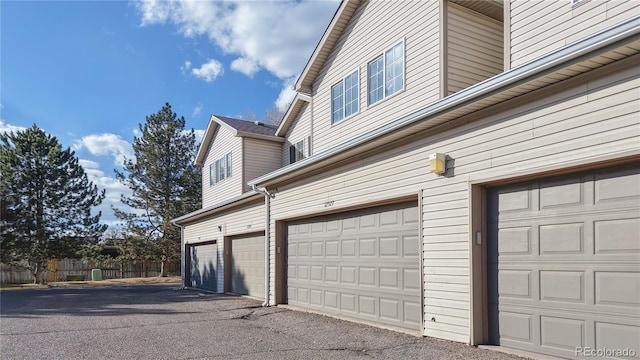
[165,184]
[46,200]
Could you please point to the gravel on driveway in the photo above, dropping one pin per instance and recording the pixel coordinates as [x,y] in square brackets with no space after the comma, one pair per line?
[160,321]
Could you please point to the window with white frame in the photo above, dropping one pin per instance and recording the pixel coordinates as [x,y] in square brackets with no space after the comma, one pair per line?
[220,169]
[296,151]
[385,74]
[229,164]
[344,97]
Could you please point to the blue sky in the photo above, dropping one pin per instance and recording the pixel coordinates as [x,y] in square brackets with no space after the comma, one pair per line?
[88,72]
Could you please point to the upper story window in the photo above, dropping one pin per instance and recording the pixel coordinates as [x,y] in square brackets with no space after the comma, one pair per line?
[386,74]
[220,169]
[344,97]
[296,152]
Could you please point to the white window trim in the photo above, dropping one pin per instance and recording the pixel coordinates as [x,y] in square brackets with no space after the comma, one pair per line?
[384,73]
[342,81]
[220,163]
[293,145]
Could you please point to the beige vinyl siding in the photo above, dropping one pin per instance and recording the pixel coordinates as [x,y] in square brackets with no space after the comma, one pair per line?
[538,27]
[474,48]
[589,117]
[376,26]
[223,142]
[300,129]
[239,220]
[260,157]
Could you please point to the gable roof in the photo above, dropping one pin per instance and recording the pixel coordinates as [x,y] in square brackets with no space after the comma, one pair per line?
[294,109]
[340,20]
[246,128]
[239,128]
[621,41]
[331,35]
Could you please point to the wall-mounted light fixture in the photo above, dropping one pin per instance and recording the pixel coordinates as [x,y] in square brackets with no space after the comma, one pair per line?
[437,163]
[219,227]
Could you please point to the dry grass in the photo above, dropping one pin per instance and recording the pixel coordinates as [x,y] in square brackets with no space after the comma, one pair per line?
[110,282]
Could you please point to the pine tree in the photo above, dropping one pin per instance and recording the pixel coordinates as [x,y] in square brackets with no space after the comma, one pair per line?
[46,201]
[164,183]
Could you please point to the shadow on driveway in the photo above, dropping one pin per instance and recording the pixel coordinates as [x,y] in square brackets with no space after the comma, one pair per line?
[99,301]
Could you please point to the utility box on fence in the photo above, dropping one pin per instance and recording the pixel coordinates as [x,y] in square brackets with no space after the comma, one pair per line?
[96,274]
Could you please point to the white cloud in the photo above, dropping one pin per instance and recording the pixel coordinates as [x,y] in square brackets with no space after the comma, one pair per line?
[199,135]
[286,94]
[4,127]
[88,164]
[245,66]
[197,110]
[106,144]
[278,36]
[113,191]
[209,71]
[185,67]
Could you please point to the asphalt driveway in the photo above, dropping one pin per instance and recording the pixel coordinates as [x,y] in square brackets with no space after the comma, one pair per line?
[159,321]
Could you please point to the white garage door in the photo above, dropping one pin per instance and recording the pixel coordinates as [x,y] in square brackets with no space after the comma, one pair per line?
[564,263]
[203,262]
[247,265]
[363,265]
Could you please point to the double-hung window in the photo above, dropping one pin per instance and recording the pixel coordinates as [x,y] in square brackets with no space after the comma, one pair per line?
[296,152]
[344,97]
[385,74]
[220,169]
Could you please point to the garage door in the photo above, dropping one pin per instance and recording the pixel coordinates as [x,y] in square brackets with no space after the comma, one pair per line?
[363,265]
[564,263]
[247,265]
[203,262]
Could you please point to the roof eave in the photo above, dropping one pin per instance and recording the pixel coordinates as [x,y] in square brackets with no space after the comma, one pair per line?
[259,136]
[292,112]
[223,205]
[627,31]
[305,80]
[206,140]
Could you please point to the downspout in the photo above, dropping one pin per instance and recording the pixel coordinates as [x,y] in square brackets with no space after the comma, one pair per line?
[267,242]
[182,257]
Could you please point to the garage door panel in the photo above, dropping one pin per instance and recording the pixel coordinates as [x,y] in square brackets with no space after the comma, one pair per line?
[563,260]
[616,336]
[393,309]
[203,262]
[616,236]
[617,288]
[620,186]
[368,270]
[247,265]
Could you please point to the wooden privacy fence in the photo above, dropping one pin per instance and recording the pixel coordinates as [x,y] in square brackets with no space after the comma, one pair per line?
[78,269]
[73,269]
[10,274]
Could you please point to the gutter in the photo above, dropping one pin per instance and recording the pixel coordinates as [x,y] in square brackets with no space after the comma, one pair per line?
[267,243]
[246,197]
[600,42]
[259,136]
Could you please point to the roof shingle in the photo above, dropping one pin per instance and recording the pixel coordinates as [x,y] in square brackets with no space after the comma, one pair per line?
[254,127]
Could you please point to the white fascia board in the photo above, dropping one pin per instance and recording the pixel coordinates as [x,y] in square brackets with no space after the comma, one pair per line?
[291,113]
[225,125]
[238,200]
[206,139]
[322,43]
